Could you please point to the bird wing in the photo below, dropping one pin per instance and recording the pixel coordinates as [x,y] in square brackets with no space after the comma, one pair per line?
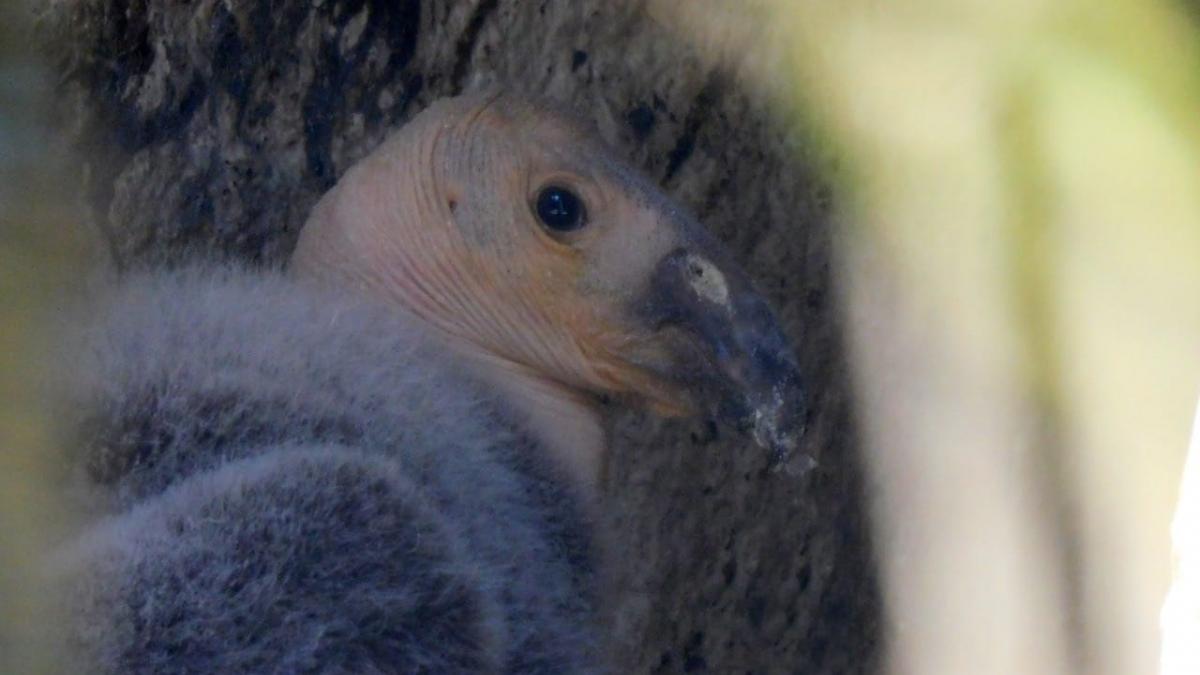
[292,480]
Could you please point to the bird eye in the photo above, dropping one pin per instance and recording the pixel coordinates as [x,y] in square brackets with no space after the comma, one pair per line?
[560,209]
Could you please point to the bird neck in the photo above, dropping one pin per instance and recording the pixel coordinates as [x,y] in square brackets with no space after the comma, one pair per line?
[358,237]
[564,421]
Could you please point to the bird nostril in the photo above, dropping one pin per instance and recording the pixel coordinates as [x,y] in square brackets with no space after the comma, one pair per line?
[453,204]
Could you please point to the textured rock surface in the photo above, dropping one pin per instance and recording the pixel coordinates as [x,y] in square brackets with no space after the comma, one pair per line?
[212,127]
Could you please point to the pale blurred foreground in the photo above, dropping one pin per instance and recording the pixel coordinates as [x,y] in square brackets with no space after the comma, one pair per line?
[39,252]
[1021,270]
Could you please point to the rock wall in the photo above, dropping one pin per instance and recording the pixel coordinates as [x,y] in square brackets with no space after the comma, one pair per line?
[211,127]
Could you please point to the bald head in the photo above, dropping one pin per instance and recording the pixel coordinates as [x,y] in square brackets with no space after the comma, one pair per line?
[503,224]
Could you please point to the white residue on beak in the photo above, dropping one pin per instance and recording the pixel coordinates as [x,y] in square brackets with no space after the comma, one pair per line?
[707,281]
[782,444]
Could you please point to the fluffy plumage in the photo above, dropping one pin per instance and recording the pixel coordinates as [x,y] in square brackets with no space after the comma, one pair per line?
[292,480]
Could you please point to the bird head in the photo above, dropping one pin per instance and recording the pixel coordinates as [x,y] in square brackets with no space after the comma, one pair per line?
[505,225]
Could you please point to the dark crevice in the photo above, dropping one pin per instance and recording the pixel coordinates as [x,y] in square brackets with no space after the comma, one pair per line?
[466,42]
[697,115]
[694,660]
[578,58]
[714,195]
[325,101]
[641,121]
[124,56]
[230,67]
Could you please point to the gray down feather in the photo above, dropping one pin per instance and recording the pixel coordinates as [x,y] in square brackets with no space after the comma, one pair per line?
[288,480]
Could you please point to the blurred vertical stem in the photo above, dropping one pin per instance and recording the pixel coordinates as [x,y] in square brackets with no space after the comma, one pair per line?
[1032,257]
[39,250]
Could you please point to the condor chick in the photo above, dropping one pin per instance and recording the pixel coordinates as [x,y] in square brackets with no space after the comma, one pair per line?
[386,461]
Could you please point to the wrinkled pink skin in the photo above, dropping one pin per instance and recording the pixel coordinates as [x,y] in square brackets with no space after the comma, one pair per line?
[640,302]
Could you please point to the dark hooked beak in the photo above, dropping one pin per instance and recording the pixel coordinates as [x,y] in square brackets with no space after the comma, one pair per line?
[748,359]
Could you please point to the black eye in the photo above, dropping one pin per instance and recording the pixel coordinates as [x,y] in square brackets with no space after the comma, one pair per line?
[560,209]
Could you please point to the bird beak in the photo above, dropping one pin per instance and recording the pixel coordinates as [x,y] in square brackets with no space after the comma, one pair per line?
[698,291]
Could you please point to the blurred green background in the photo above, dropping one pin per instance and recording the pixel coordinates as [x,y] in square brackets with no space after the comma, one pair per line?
[1022,264]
